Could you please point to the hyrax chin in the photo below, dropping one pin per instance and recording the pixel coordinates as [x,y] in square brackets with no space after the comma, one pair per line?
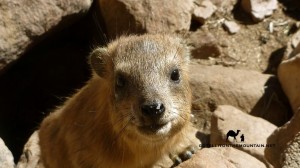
[134,112]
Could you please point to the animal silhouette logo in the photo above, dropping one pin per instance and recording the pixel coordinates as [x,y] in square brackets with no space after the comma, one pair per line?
[233,134]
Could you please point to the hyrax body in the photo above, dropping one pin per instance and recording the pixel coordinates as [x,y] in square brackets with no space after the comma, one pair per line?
[134,112]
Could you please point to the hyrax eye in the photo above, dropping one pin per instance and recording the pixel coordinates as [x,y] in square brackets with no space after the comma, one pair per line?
[175,75]
[120,81]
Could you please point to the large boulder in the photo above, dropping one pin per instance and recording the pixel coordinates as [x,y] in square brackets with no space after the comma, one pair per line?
[217,85]
[286,152]
[131,16]
[229,123]
[221,158]
[24,23]
[289,77]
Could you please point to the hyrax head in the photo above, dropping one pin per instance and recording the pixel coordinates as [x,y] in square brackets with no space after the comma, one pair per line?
[149,79]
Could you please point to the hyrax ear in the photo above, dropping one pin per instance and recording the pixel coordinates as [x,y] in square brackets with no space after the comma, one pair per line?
[101,62]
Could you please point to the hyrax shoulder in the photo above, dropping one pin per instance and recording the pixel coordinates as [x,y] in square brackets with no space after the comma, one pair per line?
[133,112]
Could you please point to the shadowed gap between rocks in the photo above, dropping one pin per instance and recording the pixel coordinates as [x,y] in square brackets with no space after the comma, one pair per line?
[195,25]
[274,61]
[42,78]
[240,15]
[292,8]
[273,95]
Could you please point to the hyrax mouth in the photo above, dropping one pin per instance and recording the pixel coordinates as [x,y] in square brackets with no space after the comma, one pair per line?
[156,129]
[153,128]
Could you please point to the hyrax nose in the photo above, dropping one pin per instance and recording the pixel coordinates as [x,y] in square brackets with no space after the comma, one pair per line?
[154,110]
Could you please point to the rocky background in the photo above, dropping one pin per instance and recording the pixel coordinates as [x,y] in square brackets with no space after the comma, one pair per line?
[244,71]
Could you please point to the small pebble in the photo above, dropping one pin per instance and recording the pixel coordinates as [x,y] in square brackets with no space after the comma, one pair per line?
[231,27]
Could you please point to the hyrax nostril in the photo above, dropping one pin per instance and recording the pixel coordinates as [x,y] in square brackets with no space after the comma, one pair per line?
[153,110]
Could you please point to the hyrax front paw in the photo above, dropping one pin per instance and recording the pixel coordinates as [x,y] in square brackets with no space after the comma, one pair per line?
[187,145]
[183,156]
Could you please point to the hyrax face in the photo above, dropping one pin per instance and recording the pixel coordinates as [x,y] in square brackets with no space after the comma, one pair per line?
[149,79]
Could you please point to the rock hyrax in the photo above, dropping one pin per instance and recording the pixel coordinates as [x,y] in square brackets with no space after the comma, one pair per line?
[134,112]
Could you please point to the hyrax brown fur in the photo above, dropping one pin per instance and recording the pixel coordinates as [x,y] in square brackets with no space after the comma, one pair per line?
[134,112]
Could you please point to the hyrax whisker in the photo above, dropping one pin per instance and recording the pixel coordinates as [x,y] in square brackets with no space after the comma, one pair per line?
[121,131]
[179,115]
[125,115]
[176,52]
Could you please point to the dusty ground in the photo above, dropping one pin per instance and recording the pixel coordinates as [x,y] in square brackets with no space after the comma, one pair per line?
[256,44]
